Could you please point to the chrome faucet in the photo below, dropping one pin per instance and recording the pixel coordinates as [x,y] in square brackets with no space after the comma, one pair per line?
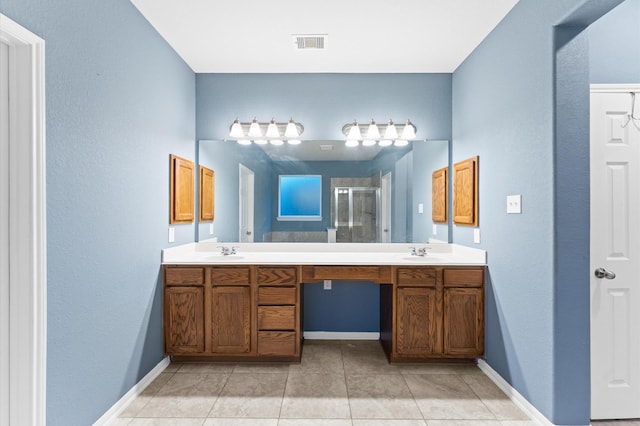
[226,251]
[422,251]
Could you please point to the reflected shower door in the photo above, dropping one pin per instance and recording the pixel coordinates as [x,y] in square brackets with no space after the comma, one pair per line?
[356,214]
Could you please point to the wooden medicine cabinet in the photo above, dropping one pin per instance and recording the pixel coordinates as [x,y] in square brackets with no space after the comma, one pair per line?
[181,190]
[207,194]
[465,192]
[439,184]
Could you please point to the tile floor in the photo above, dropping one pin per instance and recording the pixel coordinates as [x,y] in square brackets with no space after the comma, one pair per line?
[348,383]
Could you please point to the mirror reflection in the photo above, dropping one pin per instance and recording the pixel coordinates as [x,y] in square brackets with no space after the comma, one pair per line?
[322,191]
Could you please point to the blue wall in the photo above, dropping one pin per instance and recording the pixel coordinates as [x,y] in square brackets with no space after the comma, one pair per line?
[520,102]
[614,46]
[119,101]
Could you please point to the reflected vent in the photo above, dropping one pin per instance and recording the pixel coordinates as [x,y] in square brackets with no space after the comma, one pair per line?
[310,41]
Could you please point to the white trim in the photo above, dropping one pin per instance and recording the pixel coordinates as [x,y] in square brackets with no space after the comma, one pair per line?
[121,405]
[340,335]
[28,266]
[614,88]
[513,394]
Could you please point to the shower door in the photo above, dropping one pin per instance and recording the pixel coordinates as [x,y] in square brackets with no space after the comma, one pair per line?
[355,212]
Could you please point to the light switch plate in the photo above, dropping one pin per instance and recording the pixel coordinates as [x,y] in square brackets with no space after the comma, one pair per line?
[420,208]
[514,204]
[327,284]
[434,231]
[172,234]
[476,235]
[211,229]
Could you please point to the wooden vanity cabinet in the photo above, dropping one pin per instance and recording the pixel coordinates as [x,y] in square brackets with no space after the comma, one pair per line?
[184,310]
[439,313]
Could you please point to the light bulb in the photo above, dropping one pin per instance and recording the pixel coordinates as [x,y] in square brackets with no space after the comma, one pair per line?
[354,132]
[276,142]
[368,142]
[409,131]
[244,141]
[391,132]
[272,130]
[401,142]
[254,129]
[351,143]
[260,141]
[291,130]
[294,141]
[236,131]
[373,132]
[385,142]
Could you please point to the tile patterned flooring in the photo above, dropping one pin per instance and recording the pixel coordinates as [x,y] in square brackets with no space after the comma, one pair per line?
[348,383]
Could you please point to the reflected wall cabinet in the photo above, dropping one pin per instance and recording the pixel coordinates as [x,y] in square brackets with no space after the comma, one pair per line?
[439,183]
[465,192]
[181,190]
[207,194]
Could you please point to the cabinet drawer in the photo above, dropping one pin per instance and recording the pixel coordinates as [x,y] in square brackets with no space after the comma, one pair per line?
[230,276]
[277,276]
[180,276]
[277,343]
[276,296]
[425,277]
[464,277]
[276,317]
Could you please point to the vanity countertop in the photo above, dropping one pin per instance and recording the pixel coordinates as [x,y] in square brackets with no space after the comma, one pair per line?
[209,253]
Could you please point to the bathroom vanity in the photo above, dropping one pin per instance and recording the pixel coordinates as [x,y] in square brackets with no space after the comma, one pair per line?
[248,306]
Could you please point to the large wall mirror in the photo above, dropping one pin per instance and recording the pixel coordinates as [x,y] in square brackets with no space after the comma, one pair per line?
[322,191]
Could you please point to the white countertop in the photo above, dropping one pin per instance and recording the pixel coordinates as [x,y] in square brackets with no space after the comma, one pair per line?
[322,254]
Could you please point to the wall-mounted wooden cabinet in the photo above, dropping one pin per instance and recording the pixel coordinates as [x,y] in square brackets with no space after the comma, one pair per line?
[207,194]
[465,192]
[181,191]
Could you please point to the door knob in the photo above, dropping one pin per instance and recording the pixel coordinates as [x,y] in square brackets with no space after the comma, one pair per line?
[603,273]
[248,232]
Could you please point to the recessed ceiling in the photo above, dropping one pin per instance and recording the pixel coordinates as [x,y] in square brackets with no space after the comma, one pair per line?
[374,36]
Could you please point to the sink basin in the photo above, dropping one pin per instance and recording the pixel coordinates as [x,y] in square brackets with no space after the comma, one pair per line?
[221,258]
[422,259]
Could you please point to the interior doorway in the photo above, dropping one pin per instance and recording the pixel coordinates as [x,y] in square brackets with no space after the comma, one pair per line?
[385,208]
[247,194]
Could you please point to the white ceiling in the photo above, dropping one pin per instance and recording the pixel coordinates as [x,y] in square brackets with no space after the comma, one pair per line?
[372,36]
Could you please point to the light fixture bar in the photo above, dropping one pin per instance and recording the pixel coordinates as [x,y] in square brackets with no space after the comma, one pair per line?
[265,130]
[354,131]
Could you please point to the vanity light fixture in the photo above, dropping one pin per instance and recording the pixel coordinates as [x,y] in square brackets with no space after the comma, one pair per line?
[354,131]
[264,132]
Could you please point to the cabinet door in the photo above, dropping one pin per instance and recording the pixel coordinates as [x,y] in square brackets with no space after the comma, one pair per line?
[416,321]
[463,321]
[184,320]
[231,320]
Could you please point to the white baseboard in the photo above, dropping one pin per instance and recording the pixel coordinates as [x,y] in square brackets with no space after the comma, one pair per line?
[339,335]
[133,393]
[514,395]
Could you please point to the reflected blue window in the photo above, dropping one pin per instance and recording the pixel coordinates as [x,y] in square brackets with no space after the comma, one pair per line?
[300,197]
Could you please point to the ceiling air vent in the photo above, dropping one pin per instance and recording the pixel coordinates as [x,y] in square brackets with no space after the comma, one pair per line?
[310,41]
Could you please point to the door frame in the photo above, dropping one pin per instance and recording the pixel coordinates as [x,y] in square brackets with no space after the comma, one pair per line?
[385,207]
[605,88]
[247,200]
[27,222]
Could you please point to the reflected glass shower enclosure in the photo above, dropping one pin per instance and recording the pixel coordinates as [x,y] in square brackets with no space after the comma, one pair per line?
[355,214]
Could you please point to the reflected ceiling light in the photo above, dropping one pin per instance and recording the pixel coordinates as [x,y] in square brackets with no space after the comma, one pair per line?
[254,129]
[244,141]
[385,142]
[236,130]
[401,142]
[294,142]
[391,132]
[272,130]
[353,131]
[276,142]
[372,131]
[352,143]
[368,142]
[262,132]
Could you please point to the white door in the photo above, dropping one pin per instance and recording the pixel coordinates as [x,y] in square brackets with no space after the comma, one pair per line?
[246,204]
[4,234]
[385,208]
[615,254]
